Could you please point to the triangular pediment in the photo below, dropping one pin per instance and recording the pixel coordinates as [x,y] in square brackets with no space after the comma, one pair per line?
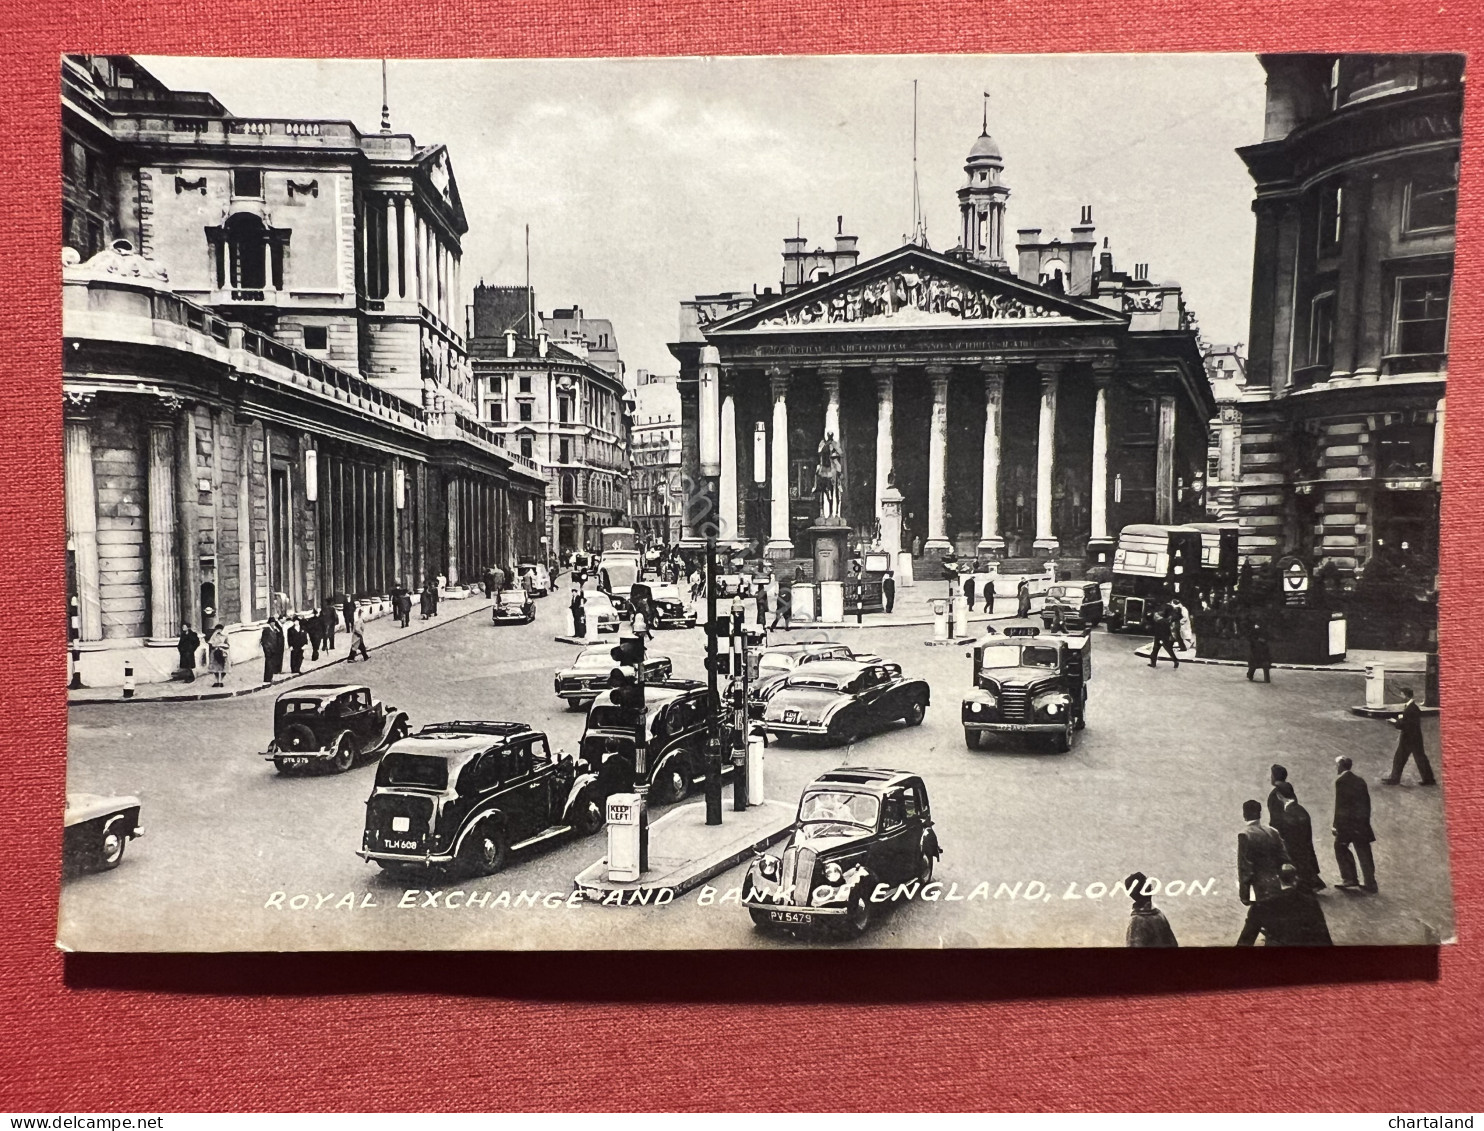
[913,288]
[438,169]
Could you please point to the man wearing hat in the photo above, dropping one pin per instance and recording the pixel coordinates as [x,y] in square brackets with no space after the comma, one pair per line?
[1147,925]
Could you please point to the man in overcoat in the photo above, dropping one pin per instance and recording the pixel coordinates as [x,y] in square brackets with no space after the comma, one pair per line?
[1294,917]
[272,644]
[1276,774]
[1260,855]
[1296,829]
[329,617]
[889,590]
[187,646]
[1352,828]
[1147,925]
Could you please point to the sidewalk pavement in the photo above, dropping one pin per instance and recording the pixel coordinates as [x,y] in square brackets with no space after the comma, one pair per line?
[684,851]
[243,677]
[1355,661]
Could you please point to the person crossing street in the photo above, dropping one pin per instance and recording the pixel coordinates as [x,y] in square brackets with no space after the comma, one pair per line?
[1409,745]
[1163,626]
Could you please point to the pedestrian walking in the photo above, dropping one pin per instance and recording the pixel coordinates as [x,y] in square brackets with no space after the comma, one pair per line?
[358,636]
[1294,917]
[1260,855]
[988,589]
[404,607]
[314,628]
[1180,631]
[499,578]
[1163,619]
[969,591]
[1352,829]
[783,608]
[1259,654]
[489,583]
[1409,744]
[889,590]
[1023,598]
[1276,774]
[272,644]
[424,602]
[328,619]
[761,595]
[579,612]
[1296,829]
[297,640]
[349,611]
[186,646]
[1147,925]
[217,655]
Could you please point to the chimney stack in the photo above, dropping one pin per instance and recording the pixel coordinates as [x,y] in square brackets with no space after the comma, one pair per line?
[543,341]
[1084,244]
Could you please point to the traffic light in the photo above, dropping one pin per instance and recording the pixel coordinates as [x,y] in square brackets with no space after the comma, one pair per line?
[723,664]
[629,652]
[625,690]
[721,627]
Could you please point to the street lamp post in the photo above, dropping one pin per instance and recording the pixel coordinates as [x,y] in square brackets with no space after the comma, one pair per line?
[710,452]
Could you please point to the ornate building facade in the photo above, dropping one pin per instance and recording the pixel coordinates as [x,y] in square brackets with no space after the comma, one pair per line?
[656,490]
[1029,414]
[1341,412]
[266,404]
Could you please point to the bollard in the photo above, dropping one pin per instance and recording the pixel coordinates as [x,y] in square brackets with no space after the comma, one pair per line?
[76,683]
[757,745]
[960,618]
[1375,685]
[128,680]
[940,620]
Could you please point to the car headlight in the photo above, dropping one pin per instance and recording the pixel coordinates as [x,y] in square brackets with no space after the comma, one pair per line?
[976,708]
[768,867]
[1053,708]
[832,872]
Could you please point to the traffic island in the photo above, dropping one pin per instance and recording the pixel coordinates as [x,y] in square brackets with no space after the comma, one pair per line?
[684,852]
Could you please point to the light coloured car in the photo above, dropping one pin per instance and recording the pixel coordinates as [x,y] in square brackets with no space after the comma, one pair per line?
[601,614]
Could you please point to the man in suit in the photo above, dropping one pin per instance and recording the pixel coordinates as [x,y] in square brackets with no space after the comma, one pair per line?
[1260,855]
[1297,831]
[1276,774]
[889,590]
[969,591]
[1259,653]
[1409,745]
[1352,828]
[1294,917]
[1163,628]
[272,645]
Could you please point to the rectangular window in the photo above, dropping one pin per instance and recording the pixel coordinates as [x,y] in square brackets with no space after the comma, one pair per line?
[525,384]
[497,386]
[525,446]
[1322,329]
[247,182]
[316,338]
[1331,217]
[525,410]
[1431,202]
[564,409]
[564,447]
[1421,324]
[497,412]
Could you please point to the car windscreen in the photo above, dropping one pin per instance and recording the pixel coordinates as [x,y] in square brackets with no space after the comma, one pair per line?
[596,661]
[664,593]
[620,575]
[1000,656]
[805,678]
[606,716]
[420,771]
[299,706]
[839,806]
[513,599]
[1058,591]
[771,665]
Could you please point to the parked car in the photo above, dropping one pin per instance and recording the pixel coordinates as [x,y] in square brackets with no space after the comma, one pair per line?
[513,606]
[96,830]
[669,607]
[602,615]
[679,713]
[467,795]
[1079,603]
[331,727]
[856,828]
[1028,683]
[842,700]
[587,677]
[540,577]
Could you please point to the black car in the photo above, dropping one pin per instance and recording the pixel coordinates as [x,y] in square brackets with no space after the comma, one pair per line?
[770,666]
[331,727]
[679,713]
[1076,605]
[97,829]
[856,828]
[587,676]
[467,795]
[842,700]
[669,607]
[513,606]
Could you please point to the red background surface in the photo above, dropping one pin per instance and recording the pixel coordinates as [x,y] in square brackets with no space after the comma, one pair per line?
[1383,1029]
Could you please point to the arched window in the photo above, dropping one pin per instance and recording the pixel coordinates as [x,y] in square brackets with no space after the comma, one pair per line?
[247,251]
[569,489]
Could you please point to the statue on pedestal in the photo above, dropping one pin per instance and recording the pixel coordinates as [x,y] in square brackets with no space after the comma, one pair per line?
[827,472]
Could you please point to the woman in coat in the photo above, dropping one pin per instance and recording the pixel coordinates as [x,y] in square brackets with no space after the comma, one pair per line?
[1023,599]
[216,655]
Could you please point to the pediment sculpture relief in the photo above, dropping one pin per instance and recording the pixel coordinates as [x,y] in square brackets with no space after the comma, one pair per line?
[908,297]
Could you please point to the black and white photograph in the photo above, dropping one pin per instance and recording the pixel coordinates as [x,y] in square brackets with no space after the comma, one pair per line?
[755,502]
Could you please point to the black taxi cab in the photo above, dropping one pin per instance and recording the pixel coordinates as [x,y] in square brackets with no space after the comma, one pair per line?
[1027,682]
[842,700]
[466,795]
[1073,604]
[331,726]
[856,828]
[678,713]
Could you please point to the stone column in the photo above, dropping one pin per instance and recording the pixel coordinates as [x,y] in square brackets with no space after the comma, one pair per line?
[1051,372]
[885,404]
[829,380]
[82,526]
[188,518]
[453,531]
[393,249]
[1099,544]
[727,504]
[780,545]
[990,542]
[1437,441]
[416,224]
[1164,463]
[164,592]
[937,537]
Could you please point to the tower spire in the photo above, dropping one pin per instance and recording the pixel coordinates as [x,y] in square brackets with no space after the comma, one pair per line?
[386,110]
[984,130]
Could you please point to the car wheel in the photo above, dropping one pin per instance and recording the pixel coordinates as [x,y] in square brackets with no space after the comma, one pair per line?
[759,918]
[857,913]
[924,868]
[587,818]
[1061,742]
[345,754]
[485,851]
[673,784]
[109,852]
[297,738]
[971,739]
[397,733]
[844,734]
[915,713]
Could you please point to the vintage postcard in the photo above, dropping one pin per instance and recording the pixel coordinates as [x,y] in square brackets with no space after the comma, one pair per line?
[760,502]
